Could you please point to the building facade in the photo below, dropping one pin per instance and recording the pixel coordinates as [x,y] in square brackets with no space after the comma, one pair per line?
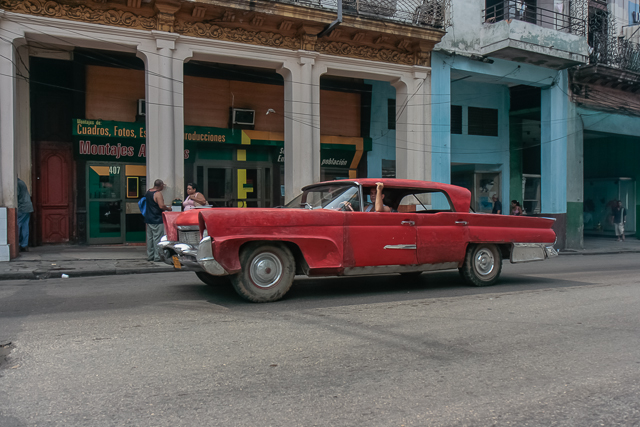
[250,100]
[503,123]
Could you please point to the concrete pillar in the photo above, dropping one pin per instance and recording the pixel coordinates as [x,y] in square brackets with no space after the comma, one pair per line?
[160,115]
[318,71]
[301,152]
[8,169]
[440,119]
[413,126]
[553,150]
[23,118]
[575,179]
[179,57]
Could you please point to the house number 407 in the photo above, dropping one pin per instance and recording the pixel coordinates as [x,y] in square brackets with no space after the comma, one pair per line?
[114,170]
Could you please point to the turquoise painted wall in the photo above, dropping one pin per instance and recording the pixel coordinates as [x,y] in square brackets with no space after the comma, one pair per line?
[383,138]
[488,153]
[440,119]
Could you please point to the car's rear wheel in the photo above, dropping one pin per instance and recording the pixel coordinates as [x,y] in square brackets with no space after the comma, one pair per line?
[267,272]
[482,265]
[211,280]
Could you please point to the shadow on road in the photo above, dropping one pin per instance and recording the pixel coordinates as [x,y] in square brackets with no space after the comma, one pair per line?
[311,293]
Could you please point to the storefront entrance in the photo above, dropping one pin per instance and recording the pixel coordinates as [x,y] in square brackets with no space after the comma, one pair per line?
[235,184]
[113,191]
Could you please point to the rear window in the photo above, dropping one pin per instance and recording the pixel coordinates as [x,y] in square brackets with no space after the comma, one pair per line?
[428,202]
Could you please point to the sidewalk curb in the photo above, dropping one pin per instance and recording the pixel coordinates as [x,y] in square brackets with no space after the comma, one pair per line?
[620,251]
[53,274]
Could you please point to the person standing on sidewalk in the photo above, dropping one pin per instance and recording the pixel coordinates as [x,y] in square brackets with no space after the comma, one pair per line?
[497,205]
[25,207]
[153,219]
[619,219]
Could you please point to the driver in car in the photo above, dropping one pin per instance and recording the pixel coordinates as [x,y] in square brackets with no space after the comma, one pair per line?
[377,198]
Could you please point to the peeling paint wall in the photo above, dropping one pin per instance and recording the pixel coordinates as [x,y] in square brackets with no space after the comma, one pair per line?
[471,35]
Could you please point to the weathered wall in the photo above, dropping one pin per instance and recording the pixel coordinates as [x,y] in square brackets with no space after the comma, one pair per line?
[384,139]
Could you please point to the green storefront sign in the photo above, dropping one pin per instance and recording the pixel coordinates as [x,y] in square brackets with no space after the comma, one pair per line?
[124,141]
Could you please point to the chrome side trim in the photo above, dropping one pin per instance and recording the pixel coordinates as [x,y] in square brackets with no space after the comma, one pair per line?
[206,260]
[527,252]
[400,247]
[384,269]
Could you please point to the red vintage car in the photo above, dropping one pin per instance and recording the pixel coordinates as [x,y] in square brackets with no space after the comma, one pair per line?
[329,230]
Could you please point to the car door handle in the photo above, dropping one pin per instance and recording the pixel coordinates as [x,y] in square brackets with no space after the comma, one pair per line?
[408,223]
[462,222]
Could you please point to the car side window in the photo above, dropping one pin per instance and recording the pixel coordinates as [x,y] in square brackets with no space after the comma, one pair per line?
[428,202]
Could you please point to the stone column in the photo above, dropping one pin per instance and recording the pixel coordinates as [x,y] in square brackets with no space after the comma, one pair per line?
[300,153]
[318,71]
[23,118]
[179,57]
[553,149]
[413,127]
[160,98]
[8,169]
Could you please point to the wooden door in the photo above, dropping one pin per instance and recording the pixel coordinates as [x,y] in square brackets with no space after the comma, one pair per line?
[54,203]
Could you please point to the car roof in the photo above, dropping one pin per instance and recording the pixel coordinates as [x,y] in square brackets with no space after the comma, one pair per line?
[460,196]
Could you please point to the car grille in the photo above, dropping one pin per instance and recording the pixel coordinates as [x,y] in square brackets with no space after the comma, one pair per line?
[189,237]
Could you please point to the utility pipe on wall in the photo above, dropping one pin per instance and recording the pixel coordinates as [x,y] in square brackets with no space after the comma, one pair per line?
[334,24]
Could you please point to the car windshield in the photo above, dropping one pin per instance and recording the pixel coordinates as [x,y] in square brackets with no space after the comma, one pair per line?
[327,197]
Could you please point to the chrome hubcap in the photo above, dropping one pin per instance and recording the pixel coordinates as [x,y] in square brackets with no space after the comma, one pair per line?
[265,270]
[484,262]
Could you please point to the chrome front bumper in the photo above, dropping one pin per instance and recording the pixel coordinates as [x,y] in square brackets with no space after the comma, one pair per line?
[206,261]
[526,252]
[186,254]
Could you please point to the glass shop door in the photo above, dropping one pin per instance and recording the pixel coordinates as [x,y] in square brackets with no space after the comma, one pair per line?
[235,186]
[113,191]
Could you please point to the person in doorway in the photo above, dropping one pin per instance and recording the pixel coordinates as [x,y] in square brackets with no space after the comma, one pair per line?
[516,209]
[497,205]
[153,219]
[193,198]
[25,207]
[619,219]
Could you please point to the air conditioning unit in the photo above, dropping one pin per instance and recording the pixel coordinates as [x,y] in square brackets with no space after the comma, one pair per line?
[635,17]
[142,107]
[241,116]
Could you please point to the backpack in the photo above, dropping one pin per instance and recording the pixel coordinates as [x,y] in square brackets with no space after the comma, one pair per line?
[142,204]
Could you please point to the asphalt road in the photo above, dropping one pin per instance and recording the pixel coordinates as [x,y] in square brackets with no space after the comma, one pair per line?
[553,344]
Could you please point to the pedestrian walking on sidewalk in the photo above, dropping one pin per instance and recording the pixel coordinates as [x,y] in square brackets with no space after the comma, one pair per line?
[25,208]
[153,219]
[619,219]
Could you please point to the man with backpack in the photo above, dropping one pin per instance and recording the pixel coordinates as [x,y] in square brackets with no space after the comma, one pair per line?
[152,208]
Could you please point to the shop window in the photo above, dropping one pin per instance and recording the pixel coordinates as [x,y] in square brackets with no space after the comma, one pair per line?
[456,119]
[483,121]
[531,185]
[391,113]
[388,168]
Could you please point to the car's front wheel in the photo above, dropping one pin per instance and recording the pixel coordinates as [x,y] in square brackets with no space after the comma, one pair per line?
[267,272]
[211,280]
[482,265]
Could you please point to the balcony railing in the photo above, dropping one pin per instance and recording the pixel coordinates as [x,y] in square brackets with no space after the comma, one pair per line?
[615,52]
[422,13]
[523,11]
